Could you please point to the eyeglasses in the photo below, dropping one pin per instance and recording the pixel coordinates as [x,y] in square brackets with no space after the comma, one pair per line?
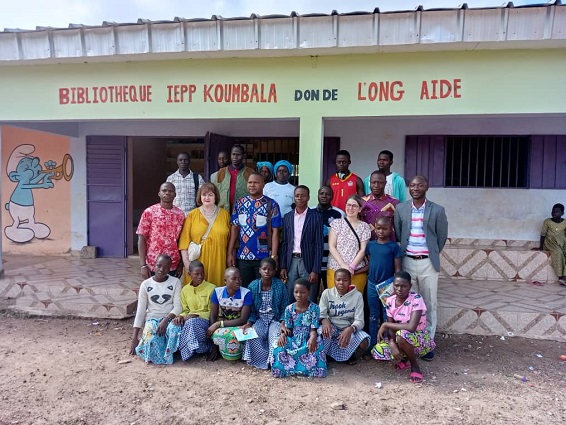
[352,206]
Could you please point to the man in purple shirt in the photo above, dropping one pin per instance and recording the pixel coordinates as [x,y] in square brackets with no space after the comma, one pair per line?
[378,204]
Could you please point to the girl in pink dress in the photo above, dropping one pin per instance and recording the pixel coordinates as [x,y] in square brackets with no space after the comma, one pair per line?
[404,336]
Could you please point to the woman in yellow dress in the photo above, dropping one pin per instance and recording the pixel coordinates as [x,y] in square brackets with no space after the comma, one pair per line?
[213,247]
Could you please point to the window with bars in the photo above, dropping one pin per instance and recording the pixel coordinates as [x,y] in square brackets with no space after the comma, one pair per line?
[486,161]
[494,161]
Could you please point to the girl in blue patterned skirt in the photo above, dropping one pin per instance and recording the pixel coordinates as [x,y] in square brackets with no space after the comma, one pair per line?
[299,349]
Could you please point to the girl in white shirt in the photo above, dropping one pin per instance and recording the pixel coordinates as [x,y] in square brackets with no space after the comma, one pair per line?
[159,302]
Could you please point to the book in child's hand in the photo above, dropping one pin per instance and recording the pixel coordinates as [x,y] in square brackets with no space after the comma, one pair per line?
[241,336]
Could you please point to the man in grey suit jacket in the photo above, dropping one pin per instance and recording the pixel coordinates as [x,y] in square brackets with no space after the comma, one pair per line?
[422,229]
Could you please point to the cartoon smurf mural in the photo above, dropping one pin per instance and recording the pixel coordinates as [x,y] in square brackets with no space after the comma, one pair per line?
[25,170]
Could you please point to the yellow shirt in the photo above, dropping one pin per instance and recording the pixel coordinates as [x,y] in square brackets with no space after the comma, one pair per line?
[196,300]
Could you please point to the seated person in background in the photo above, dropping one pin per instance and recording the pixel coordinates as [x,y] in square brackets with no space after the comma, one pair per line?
[553,239]
[265,168]
[280,190]
[269,296]
[159,302]
[229,309]
[299,350]
[404,336]
[342,319]
[195,300]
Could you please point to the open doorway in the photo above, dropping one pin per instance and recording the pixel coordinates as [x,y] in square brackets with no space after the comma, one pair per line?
[153,159]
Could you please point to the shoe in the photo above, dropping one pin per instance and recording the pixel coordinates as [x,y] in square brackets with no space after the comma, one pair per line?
[428,356]
[416,377]
[402,365]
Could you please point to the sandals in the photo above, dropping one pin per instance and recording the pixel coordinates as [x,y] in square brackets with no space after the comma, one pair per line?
[402,365]
[416,377]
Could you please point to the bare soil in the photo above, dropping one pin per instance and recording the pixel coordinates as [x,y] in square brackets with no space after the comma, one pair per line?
[67,371]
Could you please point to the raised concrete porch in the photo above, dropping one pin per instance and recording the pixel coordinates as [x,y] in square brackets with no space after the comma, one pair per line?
[107,288]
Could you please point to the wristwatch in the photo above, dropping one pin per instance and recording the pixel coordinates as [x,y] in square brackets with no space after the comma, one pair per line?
[274,257]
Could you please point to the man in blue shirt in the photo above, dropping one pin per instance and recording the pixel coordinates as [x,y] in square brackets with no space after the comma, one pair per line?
[255,221]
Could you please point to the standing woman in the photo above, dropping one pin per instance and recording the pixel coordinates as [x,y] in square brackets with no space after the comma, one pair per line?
[265,168]
[347,241]
[208,226]
[280,190]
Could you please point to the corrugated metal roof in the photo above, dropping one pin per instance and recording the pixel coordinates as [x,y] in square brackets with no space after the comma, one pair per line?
[462,28]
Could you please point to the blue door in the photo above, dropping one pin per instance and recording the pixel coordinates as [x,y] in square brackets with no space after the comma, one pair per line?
[106,195]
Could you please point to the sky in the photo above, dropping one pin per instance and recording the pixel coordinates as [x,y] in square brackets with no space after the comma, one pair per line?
[29,14]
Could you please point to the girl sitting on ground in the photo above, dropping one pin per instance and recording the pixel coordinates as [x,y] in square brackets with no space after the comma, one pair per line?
[299,350]
[229,309]
[194,319]
[269,296]
[159,302]
[404,337]
[342,319]
[553,239]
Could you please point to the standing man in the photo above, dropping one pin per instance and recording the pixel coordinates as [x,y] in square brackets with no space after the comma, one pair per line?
[158,231]
[223,160]
[344,183]
[328,214]
[186,184]
[231,181]
[378,204]
[255,224]
[422,229]
[301,250]
[395,184]
[280,189]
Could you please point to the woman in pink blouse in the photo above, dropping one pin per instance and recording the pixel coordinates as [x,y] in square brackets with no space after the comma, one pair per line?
[404,336]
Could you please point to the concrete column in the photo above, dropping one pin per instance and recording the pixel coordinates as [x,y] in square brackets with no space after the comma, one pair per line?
[311,141]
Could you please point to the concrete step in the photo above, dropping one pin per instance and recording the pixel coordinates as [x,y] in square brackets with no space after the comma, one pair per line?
[511,261]
[93,307]
[502,308]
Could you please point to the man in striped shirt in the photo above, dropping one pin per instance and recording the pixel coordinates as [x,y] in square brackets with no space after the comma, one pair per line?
[422,229]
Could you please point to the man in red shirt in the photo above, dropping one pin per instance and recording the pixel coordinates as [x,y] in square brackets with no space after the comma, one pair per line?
[158,232]
[344,183]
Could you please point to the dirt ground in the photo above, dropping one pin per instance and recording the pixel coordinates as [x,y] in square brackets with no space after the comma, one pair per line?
[67,371]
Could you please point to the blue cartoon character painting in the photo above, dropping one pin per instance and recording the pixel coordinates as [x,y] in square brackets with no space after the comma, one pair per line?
[26,171]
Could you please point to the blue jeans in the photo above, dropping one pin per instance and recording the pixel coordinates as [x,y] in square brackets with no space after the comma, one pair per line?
[376,312]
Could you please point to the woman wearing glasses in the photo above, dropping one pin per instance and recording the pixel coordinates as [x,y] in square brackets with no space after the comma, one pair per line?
[347,241]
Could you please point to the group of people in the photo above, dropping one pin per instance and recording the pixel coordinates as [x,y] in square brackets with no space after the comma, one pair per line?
[233,267]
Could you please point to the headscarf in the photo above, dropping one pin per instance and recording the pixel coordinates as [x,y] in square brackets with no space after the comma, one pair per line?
[267,164]
[286,164]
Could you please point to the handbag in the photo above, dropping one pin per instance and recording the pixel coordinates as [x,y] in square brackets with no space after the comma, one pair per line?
[194,250]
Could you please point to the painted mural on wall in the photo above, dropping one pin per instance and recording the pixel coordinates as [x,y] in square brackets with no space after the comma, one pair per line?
[36,193]
[26,171]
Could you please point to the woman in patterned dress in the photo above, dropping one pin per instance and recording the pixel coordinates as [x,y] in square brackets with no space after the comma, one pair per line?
[299,350]
[269,296]
[229,309]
